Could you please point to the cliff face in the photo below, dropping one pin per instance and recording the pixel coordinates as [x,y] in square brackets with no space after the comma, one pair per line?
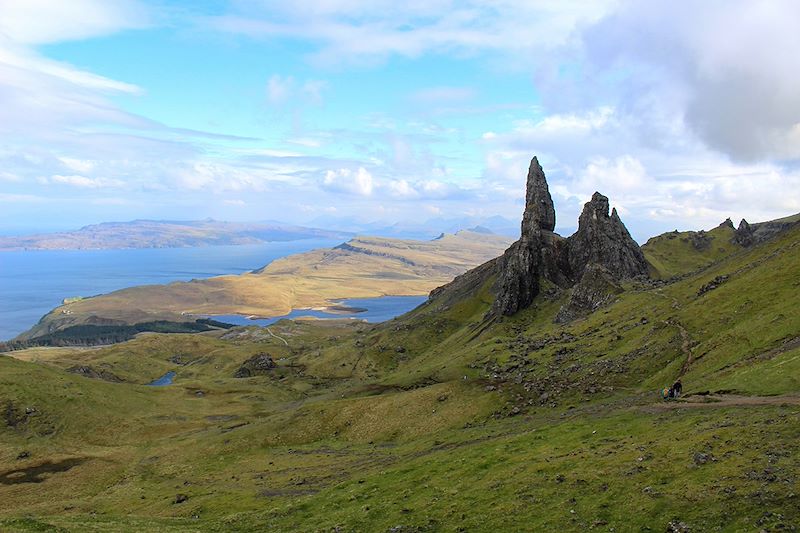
[593,260]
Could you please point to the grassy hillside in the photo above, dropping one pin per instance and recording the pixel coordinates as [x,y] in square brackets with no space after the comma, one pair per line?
[676,253]
[435,421]
[361,268]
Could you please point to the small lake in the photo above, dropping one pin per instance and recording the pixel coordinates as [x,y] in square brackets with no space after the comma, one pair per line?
[371,309]
[164,380]
[33,282]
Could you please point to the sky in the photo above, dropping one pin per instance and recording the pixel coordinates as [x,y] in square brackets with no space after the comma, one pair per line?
[684,113]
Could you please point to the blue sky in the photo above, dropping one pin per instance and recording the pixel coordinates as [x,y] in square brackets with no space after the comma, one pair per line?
[252,110]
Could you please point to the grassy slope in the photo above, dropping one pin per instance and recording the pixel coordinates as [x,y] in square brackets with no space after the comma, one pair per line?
[371,267]
[367,428]
[674,253]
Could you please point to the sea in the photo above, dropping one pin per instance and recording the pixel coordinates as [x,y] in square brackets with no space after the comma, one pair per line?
[33,282]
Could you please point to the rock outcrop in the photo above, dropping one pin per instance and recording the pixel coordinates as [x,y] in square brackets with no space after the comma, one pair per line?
[747,235]
[744,234]
[603,239]
[519,267]
[595,289]
[257,365]
[539,211]
[89,372]
[592,261]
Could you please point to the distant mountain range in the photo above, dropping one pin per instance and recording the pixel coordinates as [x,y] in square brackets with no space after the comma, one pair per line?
[167,234]
[209,232]
[427,229]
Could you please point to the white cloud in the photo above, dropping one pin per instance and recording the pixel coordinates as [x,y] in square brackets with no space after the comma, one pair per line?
[49,21]
[279,89]
[357,182]
[719,72]
[402,189]
[282,90]
[313,90]
[8,176]
[351,30]
[85,182]
[77,165]
[305,141]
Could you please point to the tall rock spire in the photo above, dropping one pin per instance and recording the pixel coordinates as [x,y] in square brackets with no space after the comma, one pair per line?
[539,210]
[521,265]
[591,262]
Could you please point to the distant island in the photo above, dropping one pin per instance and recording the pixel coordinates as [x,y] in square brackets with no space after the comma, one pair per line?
[166,234]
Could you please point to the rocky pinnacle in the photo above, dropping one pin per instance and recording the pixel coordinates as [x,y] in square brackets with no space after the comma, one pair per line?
[539,210]
[601,241]
[604,240]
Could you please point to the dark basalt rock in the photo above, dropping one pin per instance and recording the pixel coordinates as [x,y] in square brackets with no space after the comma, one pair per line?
[539,211]
[700,240]
[604,240]
[595,289]
[520,266]
[744,234]
[747,235]
[543,258]
[713,284]
[257,365]
[518,281]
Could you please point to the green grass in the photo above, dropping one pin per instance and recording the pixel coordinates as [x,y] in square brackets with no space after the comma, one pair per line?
[673,254]
[408,423]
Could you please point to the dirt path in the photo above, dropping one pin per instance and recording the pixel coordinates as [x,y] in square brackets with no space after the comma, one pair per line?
[686,339]
[277,337]
[725,400]
[686,347]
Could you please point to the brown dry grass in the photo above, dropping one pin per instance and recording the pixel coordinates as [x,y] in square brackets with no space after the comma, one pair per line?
[365,267]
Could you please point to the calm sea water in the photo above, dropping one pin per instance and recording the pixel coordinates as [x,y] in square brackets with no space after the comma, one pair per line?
[371,310]
[34,282]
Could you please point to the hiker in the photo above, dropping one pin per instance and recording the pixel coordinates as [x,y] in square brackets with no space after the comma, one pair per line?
[677,388]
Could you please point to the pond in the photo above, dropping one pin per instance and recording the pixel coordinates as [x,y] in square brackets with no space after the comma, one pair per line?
[164,380]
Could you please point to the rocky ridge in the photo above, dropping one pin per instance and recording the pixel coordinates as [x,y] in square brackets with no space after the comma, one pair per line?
[593,260]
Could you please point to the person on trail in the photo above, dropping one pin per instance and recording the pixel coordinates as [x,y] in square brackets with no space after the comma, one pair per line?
[668,393]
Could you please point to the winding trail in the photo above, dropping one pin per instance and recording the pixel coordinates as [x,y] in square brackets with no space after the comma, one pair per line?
[686,339]
[686,347]
[726,400]
[277,337]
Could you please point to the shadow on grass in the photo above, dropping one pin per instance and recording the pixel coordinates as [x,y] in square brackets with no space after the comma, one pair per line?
[38,473]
